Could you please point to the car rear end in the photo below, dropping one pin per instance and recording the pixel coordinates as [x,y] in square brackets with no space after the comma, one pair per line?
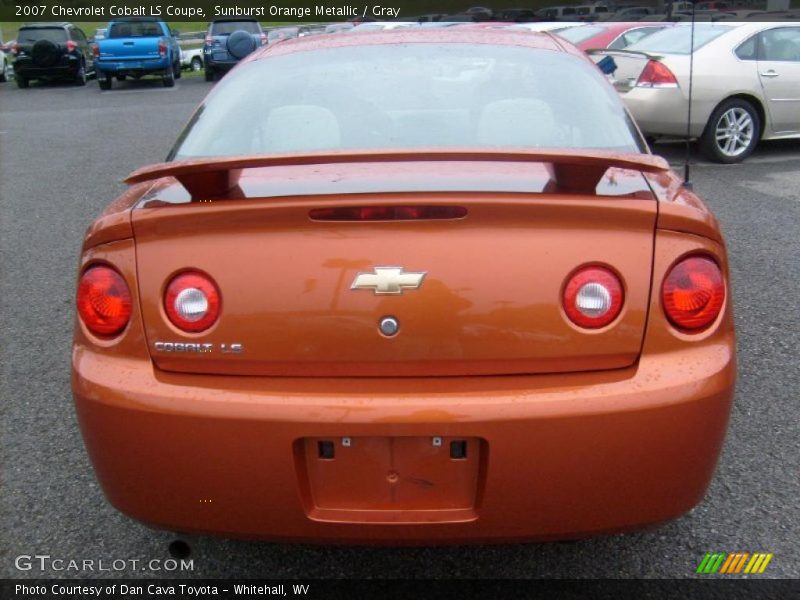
[424,343]
[134,47]
[229,40]
[652,77]
[45,51]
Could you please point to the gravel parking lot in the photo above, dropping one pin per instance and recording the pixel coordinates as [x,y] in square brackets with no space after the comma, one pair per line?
[63,151]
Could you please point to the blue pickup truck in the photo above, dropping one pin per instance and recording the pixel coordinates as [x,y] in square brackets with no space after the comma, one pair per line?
[135,47]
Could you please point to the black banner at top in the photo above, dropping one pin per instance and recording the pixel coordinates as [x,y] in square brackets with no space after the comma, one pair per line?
[296,11]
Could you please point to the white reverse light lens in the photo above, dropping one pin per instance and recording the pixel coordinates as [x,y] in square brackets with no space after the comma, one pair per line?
[593,300]
[191,304]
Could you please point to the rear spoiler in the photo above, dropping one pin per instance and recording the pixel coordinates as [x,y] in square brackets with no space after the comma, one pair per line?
[623,52]
[573,171]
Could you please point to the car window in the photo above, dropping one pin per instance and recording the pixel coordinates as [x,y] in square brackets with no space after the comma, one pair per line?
[123,29]
[78,35]
[228,27]
[632,36]
[576,35]
[781,44]
[748,49]
[34,34]
[409,96]
[678,39]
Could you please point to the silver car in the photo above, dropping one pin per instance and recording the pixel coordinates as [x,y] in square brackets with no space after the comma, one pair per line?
[746,84]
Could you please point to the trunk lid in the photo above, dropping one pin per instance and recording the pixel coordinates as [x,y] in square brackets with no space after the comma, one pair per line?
[490,301]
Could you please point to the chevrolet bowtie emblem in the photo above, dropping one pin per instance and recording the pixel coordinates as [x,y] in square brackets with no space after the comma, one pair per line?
[388,280]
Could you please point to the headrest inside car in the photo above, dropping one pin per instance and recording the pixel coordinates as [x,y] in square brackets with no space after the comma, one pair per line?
[300,127]
[518,122]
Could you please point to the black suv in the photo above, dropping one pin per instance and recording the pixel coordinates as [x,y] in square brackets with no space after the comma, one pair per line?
[52,51]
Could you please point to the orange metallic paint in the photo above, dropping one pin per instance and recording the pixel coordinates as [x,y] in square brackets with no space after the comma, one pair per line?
[570,434]
[562,455]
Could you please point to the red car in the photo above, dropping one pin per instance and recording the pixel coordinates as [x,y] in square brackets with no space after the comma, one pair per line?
[610,35]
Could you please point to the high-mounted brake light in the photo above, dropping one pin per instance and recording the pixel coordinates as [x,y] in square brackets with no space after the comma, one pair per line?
[387,213]
[693,293]
[104,300]
[192,301]
[593,297]
[656,75]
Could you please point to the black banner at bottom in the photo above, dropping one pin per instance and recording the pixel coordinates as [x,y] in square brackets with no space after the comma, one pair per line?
[387,589]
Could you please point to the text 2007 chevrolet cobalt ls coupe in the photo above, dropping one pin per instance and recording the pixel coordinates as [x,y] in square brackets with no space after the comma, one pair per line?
[422,286]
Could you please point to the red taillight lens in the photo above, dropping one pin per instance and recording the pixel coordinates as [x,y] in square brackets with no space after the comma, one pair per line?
[71,45]
[162,48]
[209,39]
[693,293]
[656,74]
[593,297]
[263,39]
[104,300]
[95,50]
[192,301]
[387,213]
[14,48]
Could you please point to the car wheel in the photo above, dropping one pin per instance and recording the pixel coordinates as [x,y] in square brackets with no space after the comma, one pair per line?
[80,76]
[22,82]
[104,82]
[121,77]
[169,78]
[176,69]
[197,64]
[3,77]
[209,74]
[732,132]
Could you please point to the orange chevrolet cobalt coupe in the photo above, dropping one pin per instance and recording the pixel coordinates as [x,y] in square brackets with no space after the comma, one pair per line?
[420,286]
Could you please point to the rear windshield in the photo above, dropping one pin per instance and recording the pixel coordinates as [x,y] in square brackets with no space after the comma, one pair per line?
[407,96]
[678,40]
[228,27]
[576,35]
[34,34]
[135,29]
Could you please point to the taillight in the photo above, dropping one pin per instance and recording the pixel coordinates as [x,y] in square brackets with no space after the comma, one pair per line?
[593,297]
[263,39]
[71,46]
[656,75]
[14,48]
[104,300]
[192,301]
[387,213]
[693,293]
[162,48]
[96,50]
[209,39]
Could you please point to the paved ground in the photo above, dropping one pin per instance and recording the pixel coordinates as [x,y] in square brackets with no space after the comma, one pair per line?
[62,150]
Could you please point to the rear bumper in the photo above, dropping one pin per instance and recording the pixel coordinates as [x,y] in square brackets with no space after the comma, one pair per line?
[561,456]
[122,67]
[67,67]
[663,111]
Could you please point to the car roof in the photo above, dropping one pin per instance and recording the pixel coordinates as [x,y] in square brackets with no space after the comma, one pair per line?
[46,25]
[411,35]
